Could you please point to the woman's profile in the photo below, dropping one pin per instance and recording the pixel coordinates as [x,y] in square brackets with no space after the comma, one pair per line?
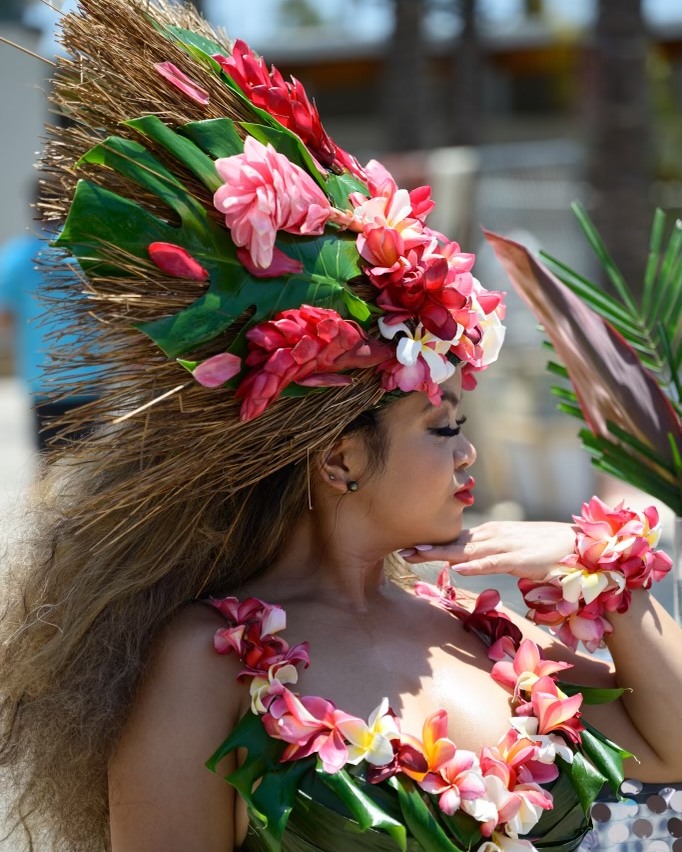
[218,573]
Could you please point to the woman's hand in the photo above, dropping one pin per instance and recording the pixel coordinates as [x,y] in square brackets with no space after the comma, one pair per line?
[520,548]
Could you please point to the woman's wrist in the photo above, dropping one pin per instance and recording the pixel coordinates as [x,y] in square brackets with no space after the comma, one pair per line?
[614,555]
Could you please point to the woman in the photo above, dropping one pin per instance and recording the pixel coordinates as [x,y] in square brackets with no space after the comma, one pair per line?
[328,334]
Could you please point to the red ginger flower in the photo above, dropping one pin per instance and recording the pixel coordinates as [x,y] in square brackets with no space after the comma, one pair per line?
[287,102]
[307,345]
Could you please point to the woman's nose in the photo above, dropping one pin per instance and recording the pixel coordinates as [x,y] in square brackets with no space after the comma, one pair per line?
[465,453]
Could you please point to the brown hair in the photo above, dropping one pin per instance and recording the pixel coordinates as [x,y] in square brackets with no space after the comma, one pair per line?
[162,503]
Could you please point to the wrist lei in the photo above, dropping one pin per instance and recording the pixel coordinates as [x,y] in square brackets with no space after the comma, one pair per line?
[493,801]
[614,554]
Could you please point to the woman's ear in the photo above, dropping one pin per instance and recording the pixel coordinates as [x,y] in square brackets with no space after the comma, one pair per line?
[344,462]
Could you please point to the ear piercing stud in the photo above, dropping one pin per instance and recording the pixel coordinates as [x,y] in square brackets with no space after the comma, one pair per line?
[352,485]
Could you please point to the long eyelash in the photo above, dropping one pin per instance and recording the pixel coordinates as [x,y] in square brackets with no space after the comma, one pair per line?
[448,432]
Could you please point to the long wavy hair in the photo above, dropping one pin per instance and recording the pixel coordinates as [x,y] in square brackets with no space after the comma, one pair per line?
[163,502]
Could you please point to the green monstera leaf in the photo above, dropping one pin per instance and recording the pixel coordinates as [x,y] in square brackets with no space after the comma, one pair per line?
[329,260]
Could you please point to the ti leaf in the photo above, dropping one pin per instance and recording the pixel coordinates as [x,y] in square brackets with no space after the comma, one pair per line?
[606,756]
[419,819]
[591,694]
[364,810]
[586,780]
[267,785]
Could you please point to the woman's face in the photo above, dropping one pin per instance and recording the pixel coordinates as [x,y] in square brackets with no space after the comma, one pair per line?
[419,494]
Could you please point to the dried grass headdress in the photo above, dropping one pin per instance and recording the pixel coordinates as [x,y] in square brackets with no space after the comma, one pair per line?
[246,288]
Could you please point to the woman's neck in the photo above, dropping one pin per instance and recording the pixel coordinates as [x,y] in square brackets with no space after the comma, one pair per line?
[332,566]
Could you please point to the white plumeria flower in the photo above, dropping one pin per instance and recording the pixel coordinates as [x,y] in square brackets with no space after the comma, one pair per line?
[371,741]
[421,342]
[501,843]
[260,686]
[526,817]
[550,746]
[483,809]
[577,583]
[492,329]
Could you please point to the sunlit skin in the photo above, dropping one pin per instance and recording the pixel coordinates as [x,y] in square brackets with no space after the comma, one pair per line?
[370,638]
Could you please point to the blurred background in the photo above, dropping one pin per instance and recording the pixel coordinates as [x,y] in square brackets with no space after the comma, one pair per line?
[510,109]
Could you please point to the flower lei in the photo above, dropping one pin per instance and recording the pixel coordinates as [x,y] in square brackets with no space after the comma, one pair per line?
[485,801]
[614,554]
[298,220]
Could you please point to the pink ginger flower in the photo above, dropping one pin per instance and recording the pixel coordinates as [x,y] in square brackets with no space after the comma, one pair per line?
[287,102]
[311,726]
[307,345]
[264,193]
[527,666]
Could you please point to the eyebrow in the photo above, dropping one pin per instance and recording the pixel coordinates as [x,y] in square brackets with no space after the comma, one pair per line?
[452,398]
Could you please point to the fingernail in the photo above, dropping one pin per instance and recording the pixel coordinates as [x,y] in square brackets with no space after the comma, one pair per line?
[423,547]
[409,551]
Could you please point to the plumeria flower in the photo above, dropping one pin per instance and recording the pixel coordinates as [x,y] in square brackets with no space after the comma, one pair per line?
[371,741]
[458,783]
[435,745]
[263,687]
[310,725]
[533,800]
[502,843]
[548,746]
[525,669]
[420,343]
[553,710]
[579,583]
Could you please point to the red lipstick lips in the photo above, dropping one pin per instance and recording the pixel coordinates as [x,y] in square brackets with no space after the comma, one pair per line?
[464,494]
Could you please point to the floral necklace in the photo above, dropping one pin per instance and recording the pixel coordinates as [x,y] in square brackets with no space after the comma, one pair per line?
[450,798]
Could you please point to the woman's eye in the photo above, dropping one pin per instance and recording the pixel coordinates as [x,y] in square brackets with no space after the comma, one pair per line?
[448,431]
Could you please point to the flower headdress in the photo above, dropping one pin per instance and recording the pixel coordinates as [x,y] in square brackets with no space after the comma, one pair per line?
[278,263]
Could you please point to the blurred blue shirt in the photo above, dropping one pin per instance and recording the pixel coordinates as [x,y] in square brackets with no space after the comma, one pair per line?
[20,282]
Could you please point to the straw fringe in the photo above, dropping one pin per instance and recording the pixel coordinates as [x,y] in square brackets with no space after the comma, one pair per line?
[178,440]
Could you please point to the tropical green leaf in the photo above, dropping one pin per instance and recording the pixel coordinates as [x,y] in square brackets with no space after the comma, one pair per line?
[464,828]
[198,42]
[419,818]
[274,797]
[655,242]
[183,149]
[364,810]
[564,821]
[605,755]
[586,780]
[605,258]
[329,261]
[591,694]
[339,187]
[218,137]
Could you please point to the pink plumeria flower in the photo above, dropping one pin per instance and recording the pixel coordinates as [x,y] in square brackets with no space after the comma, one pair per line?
[371,741]
[553,710]
[435,745]
[310,726]
[458,783]
[548,746]
[525,668]
[262,688]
